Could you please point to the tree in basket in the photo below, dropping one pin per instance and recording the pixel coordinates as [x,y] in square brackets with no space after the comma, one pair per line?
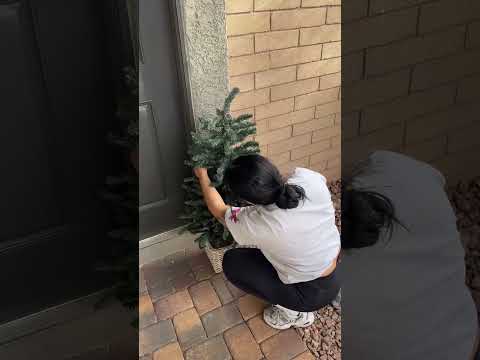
[215,144]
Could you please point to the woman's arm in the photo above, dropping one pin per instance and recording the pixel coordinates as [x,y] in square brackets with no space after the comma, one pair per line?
[212,198]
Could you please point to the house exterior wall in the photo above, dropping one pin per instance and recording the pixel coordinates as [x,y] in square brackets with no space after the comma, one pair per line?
[284,55]
[206,54]
[410,77]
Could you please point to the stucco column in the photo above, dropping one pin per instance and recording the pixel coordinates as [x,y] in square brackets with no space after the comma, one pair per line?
[206,54]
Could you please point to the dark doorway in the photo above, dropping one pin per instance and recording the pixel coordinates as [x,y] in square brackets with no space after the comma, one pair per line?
[57,101]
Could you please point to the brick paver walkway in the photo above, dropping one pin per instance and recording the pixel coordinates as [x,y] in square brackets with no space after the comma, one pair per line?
[189,312]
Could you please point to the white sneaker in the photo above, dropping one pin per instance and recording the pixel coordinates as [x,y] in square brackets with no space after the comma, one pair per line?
[337,302]
[282,318]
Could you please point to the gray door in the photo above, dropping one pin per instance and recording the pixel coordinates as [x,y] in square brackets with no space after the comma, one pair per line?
[161,117]
[55,106]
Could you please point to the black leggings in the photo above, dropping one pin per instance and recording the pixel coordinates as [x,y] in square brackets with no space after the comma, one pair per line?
[250,271]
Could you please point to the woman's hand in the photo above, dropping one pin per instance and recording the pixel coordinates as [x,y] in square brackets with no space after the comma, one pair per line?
[200,173]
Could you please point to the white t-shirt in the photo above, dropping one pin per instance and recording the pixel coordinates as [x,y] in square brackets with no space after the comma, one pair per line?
[406,298]
[300,243]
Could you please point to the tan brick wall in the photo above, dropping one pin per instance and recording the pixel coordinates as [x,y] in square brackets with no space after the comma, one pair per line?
[411,75]
[284,55]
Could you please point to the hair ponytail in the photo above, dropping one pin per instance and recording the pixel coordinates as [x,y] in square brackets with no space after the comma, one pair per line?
[364,215]
[289,196]
[253,178]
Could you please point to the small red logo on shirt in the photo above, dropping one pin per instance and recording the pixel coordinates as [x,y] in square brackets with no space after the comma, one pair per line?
[233,217]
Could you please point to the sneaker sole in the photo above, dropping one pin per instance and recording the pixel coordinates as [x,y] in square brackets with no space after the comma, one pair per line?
[285,327]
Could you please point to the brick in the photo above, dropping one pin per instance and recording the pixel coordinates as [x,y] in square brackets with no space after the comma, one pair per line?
[305,356]
[352,67]
[308,150]
[350,125]
[238,6]
[241,343]
[405,108]
[242,112]
[289,144]
[313,125]
[212,349]
[319,68]
[320,34]
[328,109]
[332,174]
[294,88]
[326,133]
[236,292]
[189,328]
[473,37]
[287,168]
[243,82]
[355,10]
[161,290]
[315,3]
[262,127]
[276,40]
[260,330]
[221,319]
[155,336]
[325,155]
[331,80]
[275,77]
[182,281]
[291,118]
[429,150]
[146,311]
[371,91]
[251,98]
[453,166]
[294,19]
[334,163]
[464,138]
[336,141]
[280,159]
[385,139]
[297,55]
[468,89]
[330,50]
[240,45]
[261,5]
[334,15]
[382,6]
[274,108]
[443,70]
[158,273]
[240,24]
[248,64]
[204,297]
[274,136]
[403,53]
[173,304]
[171,352]
[373,31]
[443,13]
[316,98]
[283,346]
[250,306]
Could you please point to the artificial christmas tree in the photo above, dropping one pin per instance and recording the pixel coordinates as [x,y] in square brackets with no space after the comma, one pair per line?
[215,144]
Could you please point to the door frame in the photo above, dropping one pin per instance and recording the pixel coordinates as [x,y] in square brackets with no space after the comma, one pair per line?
[177,22]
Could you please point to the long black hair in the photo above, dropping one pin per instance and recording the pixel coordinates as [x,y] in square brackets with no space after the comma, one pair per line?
[365,214]
[253,178]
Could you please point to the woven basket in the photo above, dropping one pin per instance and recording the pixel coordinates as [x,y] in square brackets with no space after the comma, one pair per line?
[216,256]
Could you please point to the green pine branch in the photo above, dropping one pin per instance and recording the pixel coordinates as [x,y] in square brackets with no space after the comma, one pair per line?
[215,144]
